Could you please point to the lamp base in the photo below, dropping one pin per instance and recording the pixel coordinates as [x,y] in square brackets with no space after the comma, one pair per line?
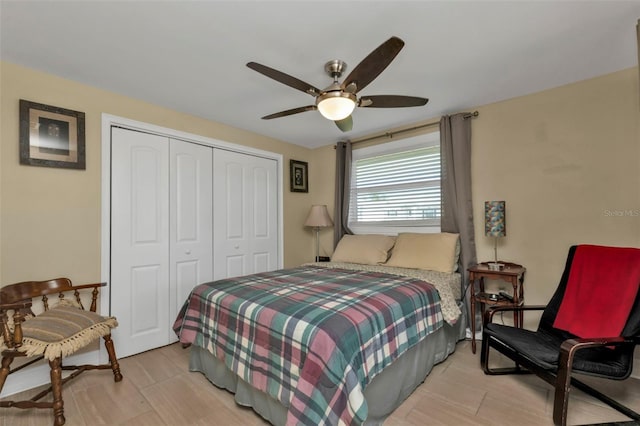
[495,266]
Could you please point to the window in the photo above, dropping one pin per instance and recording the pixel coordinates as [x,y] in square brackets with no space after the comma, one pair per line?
[396,186]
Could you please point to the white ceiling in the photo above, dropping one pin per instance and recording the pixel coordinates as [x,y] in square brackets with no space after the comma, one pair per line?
[191,56]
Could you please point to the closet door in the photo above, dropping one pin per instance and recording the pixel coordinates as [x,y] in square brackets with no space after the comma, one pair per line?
[191,221]
[139,240]
[245,214]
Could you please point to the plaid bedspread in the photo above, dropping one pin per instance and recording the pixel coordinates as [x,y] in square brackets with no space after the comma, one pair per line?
[311,337]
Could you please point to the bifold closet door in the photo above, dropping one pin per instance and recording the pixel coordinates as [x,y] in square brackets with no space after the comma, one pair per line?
[161,233]
[245,193]
[139,240]
[191,221]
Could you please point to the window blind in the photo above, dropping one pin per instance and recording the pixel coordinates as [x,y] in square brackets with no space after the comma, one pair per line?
[397,188]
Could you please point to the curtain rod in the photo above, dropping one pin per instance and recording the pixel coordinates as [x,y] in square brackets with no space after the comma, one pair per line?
[410,129]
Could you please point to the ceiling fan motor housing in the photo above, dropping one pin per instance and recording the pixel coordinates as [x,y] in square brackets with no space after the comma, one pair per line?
[335,68]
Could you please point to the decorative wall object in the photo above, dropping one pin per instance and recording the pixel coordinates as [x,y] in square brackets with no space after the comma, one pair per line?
[51,136]
[299,175]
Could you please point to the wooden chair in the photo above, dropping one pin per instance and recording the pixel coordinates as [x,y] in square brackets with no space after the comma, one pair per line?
[557,355]
[53,334]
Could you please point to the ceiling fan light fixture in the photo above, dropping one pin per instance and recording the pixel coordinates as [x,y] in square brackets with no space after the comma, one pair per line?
[336,105]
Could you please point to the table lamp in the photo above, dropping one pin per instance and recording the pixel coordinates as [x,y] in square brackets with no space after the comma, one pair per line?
[318,218]
[495,226]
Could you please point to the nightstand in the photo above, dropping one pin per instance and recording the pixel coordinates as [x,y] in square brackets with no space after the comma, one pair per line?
[511,273]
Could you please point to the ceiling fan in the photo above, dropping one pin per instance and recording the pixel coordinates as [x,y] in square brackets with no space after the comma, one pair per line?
[337,101]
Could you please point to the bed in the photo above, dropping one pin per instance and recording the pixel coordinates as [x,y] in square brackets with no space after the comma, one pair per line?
[341,342]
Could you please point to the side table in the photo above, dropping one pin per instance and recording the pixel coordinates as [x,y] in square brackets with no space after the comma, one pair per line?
[512,273]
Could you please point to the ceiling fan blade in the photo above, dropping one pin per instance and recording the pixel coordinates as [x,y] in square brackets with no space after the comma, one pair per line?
[391,101]
[346,124]
[371,66]
[290,112]
[283,78]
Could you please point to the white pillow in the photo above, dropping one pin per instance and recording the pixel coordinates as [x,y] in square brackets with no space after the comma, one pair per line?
[434,252]
[366,249]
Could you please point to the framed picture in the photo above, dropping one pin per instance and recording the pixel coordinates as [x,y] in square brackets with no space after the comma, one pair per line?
[299,173]
[51,136]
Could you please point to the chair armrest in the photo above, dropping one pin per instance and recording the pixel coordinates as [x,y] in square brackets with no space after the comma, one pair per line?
[83,286]
[489,313]
[568,350]
[570,346]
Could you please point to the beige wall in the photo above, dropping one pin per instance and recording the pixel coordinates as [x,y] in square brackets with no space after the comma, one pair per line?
[50,218]
[321,181]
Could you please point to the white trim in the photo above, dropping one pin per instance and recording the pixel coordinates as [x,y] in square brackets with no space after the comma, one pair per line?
[108,121]
[415,142]
[113,120]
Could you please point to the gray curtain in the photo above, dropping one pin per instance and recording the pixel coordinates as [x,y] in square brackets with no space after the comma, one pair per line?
[457,206]
[343,187]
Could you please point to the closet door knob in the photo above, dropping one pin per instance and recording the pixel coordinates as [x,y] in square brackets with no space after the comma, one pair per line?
[187,252]
[236,247]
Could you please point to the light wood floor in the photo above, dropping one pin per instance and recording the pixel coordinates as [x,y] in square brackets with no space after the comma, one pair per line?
[158,389]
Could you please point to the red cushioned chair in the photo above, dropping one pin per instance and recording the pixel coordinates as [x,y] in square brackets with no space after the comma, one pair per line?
[572,338]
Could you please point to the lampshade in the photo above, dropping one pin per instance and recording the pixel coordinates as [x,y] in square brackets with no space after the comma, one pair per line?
[336,105]
[318,217]
[494,219]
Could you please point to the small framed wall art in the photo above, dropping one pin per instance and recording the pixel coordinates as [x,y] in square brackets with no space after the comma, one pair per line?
[51,136]
[299,174]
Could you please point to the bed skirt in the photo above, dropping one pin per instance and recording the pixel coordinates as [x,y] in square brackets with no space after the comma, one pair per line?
[383,395]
